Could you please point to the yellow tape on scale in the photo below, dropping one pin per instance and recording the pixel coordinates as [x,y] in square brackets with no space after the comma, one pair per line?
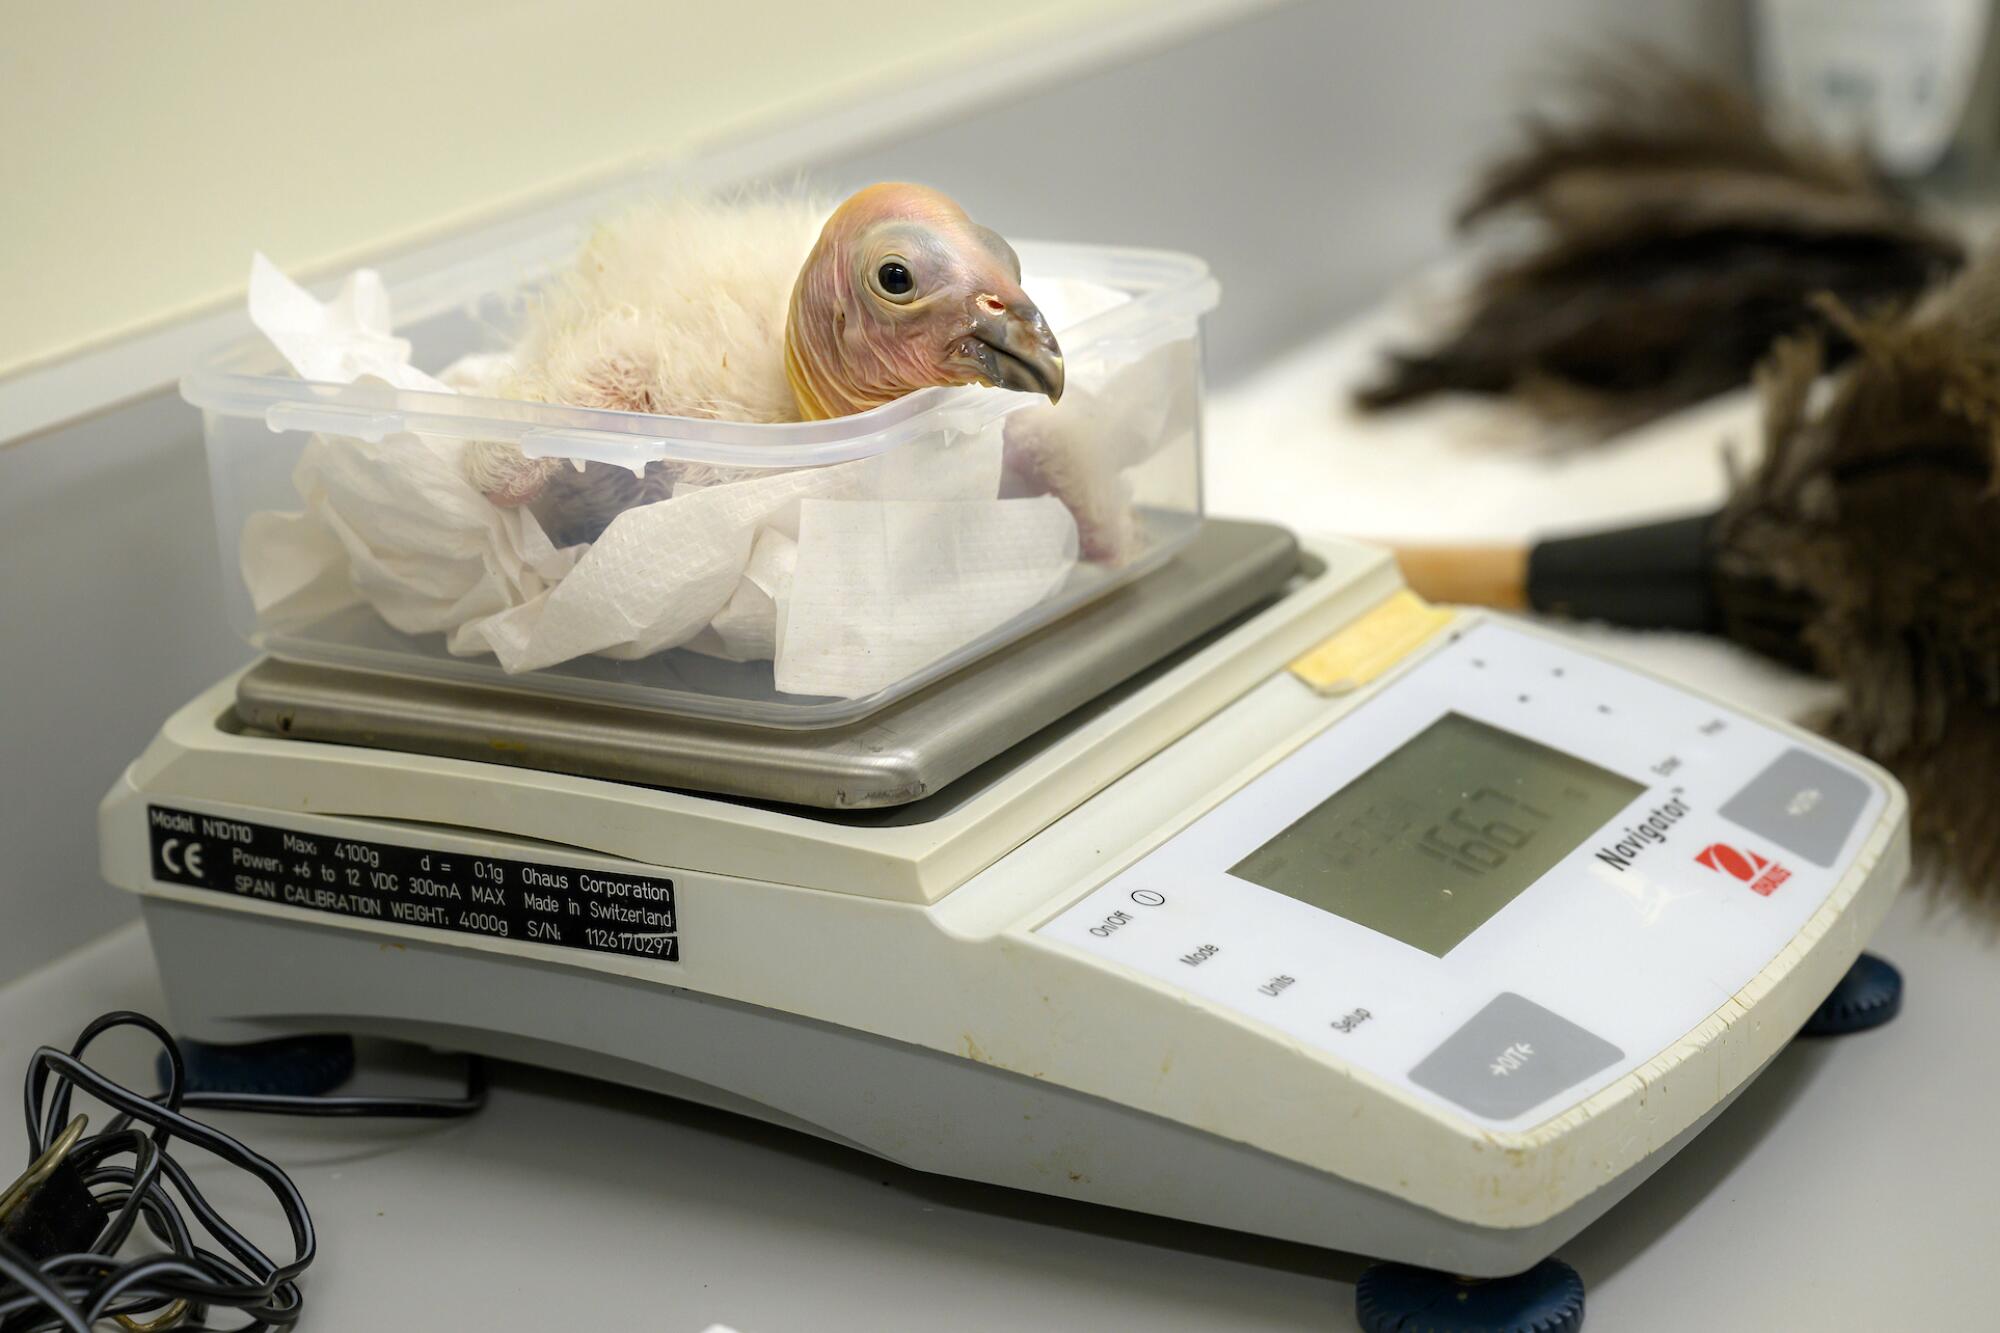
[1363,650]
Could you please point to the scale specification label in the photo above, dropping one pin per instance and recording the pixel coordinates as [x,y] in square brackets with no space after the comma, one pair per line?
[541,903]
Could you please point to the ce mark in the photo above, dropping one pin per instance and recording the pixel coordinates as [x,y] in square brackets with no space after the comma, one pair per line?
[190,858]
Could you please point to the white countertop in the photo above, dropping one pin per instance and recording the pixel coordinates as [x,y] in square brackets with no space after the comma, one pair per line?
[1852,1186]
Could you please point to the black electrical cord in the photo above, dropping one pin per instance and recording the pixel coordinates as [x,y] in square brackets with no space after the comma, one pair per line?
[129,1173]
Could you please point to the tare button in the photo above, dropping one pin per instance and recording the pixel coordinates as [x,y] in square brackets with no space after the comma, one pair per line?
[1511,1056]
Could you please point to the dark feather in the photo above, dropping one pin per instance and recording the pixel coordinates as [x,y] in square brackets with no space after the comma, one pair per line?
[1678,236]
[1868,538]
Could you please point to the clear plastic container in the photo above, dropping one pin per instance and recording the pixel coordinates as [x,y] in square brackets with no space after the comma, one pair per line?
[811,573]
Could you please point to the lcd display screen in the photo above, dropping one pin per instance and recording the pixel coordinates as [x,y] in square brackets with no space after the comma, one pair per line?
[1442,833]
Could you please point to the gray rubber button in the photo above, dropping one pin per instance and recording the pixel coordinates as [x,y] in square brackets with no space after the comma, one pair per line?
[1802,803]
[1511,1056]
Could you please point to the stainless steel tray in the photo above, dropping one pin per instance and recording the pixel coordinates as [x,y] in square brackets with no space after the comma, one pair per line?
[901,754]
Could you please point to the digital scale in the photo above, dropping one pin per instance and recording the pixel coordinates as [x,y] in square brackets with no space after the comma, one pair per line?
[1258,894]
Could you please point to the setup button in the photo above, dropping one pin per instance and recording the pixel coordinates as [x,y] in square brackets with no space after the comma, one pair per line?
[1511,1056]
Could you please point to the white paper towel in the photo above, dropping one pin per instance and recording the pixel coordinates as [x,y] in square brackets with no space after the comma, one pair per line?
[862,625]
[849,577]
[344,340]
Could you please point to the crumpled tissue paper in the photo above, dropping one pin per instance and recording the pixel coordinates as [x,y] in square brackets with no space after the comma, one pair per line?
[849,577]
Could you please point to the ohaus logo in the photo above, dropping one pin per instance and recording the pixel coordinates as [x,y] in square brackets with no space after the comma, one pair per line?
[1761,873]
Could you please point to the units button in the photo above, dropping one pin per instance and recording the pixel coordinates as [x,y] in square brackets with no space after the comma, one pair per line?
[1511,1056]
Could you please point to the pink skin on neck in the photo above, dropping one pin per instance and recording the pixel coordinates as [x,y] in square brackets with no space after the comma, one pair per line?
[846,350]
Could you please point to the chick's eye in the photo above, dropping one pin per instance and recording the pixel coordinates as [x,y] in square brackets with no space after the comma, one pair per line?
[894,278]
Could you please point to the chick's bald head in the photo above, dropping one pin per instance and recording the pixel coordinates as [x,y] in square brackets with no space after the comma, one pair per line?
[903,291]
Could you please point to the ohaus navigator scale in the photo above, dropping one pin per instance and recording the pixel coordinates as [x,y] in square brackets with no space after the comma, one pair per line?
[1408,932]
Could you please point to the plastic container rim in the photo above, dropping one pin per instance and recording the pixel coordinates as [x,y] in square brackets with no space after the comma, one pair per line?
[1170,289]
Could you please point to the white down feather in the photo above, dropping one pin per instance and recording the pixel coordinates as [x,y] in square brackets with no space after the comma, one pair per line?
[676,307]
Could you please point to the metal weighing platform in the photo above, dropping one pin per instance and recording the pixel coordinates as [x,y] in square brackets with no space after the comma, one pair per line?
[903,753]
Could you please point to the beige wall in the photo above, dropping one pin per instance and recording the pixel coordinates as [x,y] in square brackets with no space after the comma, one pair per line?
[147,147]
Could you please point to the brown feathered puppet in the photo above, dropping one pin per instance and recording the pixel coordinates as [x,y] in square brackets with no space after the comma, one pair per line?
[1874,520]
[1864,546]
[1676,235]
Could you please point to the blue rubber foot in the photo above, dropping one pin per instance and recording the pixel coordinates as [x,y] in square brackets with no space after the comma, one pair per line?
[286,1066]
[1396,1298]
[1867,997]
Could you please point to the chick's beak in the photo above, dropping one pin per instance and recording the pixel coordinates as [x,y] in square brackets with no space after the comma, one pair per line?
[1012,347]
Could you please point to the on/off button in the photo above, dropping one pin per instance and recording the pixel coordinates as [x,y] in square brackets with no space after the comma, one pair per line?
[1148,897]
